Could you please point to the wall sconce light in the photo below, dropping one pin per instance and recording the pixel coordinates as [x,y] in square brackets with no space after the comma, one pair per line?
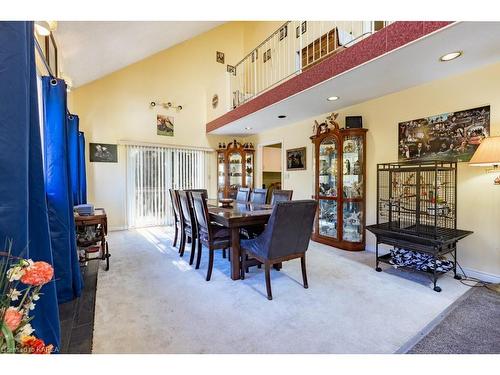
[488,155]
[166,105]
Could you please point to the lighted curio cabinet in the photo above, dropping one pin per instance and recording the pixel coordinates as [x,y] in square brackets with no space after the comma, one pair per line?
[235,168]
[340,183]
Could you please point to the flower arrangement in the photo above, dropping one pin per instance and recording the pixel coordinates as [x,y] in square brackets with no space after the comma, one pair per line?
[20,284]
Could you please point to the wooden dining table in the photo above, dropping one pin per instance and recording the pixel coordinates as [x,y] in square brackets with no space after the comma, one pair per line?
[235,217]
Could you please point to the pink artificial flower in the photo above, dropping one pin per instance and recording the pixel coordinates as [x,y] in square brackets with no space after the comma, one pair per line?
[39,273]
[12,318]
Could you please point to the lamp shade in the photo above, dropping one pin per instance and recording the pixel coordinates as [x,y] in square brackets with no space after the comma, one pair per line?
[487,154]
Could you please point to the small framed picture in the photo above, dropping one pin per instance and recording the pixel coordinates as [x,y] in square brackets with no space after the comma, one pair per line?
[303,27]
[255,55]
[103,153]
[296,159]
[283,32]
[267,55]
[165,125]
[231,69]
[219,56]
[297,31]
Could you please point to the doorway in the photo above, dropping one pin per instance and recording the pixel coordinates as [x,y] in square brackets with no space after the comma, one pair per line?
[272,167]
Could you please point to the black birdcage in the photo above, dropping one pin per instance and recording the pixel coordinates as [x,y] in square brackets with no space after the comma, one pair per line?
[417,215]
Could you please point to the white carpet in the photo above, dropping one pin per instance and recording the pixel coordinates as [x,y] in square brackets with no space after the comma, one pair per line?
[152,301]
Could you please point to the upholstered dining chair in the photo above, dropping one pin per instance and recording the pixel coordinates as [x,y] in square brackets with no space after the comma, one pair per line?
[243,195]
[188,223]
[286,237]
[174,199]
[211,235]
[281,196]
[258,196]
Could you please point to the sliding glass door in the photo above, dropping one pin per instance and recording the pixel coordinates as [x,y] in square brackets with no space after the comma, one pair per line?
[151,172]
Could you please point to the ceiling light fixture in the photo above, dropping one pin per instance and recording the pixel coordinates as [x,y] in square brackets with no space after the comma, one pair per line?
[42,28]
[281,116]
[332,98]
[450,56]
[248,128]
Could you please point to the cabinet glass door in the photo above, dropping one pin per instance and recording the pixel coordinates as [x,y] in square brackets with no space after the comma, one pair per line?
[327,177]
[327,218]
[221,175]
[249,169]
[352,164]
[352,216]
[235,173]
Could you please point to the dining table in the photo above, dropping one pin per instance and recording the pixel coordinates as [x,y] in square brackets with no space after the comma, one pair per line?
[235,217]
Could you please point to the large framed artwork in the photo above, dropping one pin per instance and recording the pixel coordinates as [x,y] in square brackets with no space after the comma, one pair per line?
[452,136]
[296,159]
[103,153]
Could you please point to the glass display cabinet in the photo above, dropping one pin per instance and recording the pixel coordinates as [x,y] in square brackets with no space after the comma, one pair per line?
[340,156]
[235,168]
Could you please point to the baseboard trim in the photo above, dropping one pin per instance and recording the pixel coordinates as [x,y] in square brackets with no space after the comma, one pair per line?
[114,229]
[471,272]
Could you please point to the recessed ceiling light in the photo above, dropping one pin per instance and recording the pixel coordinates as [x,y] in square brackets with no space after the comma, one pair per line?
[332,98]
[281,116]
[451,56]
[248,128]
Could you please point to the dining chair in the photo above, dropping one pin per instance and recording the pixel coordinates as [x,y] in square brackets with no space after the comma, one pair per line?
[211,235]
[174,199]
[281,196]
[286,237]
[188,222]
[258,196]
[243,195]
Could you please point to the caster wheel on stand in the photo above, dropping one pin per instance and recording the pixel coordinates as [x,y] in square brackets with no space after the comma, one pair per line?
[107,257]
[378,269]
[457,277]
[437,289]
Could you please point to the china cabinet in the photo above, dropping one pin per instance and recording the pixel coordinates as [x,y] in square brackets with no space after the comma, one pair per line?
[340,179]
[235,168]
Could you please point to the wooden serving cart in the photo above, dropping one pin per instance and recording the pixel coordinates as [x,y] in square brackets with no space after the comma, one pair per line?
[91,232]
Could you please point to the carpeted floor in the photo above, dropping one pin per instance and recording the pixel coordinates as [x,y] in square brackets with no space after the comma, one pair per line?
[152,301]
[470,327]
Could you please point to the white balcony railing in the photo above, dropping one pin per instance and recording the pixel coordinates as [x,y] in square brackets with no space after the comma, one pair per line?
[293,48]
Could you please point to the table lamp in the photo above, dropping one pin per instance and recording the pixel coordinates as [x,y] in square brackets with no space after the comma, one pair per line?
[488,155]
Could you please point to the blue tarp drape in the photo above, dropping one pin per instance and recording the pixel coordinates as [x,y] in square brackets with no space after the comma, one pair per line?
[74,162]
[81,168]
[23,209]
[59,190]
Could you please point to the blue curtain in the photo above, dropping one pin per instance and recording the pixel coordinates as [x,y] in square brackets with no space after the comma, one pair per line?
[81,168]
[74,162]
[59,190]
[23,209]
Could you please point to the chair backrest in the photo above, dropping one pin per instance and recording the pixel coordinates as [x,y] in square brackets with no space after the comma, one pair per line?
[174,198]
[258,196]
[186,208]
[281,196]
[243,194]
[289,228]
[203,191]
[200,208]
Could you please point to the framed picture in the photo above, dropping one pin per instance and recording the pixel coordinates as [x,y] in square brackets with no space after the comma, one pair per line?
[255,55]
[267,55]
[103,153]
[165,125]
[231,69]
[219,57]
[296,159]
[297,31]
[452,136]
[303,27]
[283,32]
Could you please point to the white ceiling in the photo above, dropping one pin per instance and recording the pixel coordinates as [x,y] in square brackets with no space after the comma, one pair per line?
[412,65]
[93,49]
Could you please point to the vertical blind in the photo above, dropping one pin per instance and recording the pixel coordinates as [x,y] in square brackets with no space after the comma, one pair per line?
[151,172]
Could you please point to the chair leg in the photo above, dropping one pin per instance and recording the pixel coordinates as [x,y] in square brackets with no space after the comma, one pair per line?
[210,263]
[267,268]
[183,244]
[193,247]
[176,234]
[224,253]
[304,273]
[229,255]
[198,256]
[242,265]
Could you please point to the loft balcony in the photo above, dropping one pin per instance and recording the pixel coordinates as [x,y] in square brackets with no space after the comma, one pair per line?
[311,59]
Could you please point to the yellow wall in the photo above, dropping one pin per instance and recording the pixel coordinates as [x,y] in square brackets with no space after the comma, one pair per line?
[116,107]
[478,198]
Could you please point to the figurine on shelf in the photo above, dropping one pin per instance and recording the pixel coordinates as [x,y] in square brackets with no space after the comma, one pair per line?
[331,120]
[250,146]
[347,167]
[349,146]
[356,168]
